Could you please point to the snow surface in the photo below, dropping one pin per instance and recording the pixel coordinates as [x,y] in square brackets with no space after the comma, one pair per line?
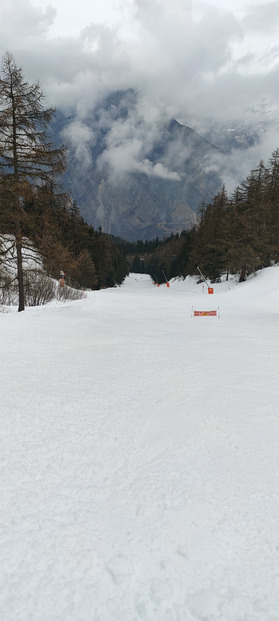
[139,455]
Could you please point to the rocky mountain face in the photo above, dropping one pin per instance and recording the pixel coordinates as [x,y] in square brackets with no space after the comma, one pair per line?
[153,194]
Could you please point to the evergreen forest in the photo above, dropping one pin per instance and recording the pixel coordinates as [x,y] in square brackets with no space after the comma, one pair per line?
[234,235]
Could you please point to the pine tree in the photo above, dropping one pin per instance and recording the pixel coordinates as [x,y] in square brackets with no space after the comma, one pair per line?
[211,246]
[28,159]
[272,203]
[250,224]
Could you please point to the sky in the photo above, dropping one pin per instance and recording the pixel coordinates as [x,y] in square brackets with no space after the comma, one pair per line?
[198,62]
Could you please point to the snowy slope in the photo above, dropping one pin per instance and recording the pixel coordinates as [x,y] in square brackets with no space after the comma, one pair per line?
[139,455]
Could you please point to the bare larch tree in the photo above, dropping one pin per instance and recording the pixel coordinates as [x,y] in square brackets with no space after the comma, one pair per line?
[29,161]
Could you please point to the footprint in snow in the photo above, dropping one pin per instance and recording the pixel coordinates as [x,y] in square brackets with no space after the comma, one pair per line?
[120,568]
[205,605]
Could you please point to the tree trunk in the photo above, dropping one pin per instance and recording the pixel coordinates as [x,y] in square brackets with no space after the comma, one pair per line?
[242,276]
[20,276]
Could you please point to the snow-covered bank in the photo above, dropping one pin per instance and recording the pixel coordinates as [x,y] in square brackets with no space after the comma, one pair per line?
[139,455]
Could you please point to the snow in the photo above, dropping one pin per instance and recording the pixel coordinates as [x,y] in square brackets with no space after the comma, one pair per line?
[139,455]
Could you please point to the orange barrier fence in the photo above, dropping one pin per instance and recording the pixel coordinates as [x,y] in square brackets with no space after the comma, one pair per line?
[212,313]
[209,313]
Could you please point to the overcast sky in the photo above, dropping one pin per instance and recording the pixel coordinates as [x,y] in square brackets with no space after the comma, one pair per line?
[187,59]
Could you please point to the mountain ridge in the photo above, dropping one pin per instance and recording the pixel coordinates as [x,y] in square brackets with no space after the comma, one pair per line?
[134,180]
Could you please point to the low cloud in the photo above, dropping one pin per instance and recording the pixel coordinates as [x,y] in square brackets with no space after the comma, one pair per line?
[236,165]
[127,145]
[80,138]
[158,170]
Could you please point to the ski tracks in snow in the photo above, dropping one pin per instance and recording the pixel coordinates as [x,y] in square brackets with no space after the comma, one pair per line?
[140,478]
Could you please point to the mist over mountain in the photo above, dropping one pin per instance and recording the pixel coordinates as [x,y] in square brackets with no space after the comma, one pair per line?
[139,176]
[139,84]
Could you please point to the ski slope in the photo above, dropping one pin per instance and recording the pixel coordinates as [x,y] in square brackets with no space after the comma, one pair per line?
[140,455]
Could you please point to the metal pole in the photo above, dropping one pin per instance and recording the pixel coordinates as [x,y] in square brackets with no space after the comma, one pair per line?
[202,276]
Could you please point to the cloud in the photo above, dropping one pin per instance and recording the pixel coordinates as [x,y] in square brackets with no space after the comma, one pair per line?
[236,165]
[22,21]
[132,126]
[187,60]
[158,170]
[182,59]
[81,139]
[263,18]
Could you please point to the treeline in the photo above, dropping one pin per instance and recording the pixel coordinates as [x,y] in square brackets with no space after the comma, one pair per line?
[235,235]
[88,257]
[162,259]
[64,242]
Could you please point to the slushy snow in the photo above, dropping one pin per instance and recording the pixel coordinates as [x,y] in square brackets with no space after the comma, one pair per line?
[140,455]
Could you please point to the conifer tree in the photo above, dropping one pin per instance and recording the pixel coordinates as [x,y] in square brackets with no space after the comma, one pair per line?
[249,223]
[272,203]
[28,159]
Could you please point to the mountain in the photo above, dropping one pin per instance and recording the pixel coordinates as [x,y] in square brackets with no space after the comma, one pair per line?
[154,194]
